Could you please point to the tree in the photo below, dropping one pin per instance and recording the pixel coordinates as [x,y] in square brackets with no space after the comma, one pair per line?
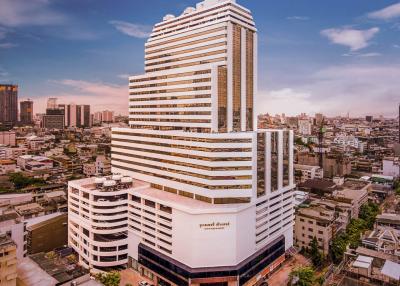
[20,181]
[368,213]
[302,276]
[109,279]
[316,256]
[338,247]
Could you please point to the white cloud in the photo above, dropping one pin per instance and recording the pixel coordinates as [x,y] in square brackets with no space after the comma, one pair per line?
[396,46]
[131,29]
[387,13]
[7,45]
[362,55]
[352,38]
[14,13]
[358,88]
[369,55]
[298,18]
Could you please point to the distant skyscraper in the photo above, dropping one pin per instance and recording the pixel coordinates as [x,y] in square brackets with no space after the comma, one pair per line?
[212,200]
[368,118]
[54,117]
[52,103]
[76,115]
[319,117]
[8,104]
[26,111]
[104,116]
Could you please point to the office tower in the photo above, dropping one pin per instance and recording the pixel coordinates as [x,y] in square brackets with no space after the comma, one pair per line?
[8,104]
[369,118]
[53,119]
[26,111]
[211,201]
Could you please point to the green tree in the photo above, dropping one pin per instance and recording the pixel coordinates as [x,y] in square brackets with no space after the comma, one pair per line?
[109,279]
[316,256]
[302,276]
[338,247]
[368,213]
[20,181]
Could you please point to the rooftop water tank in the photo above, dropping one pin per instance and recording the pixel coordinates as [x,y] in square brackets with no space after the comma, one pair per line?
[126,180]
[109,183]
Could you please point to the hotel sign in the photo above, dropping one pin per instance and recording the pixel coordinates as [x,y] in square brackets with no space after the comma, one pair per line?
[214,225]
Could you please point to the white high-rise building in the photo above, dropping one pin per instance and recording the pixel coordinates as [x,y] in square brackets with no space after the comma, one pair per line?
[212,197]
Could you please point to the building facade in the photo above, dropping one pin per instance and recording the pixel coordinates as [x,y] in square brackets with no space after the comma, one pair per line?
[26,111]
[76,115]
[8,104]
[205,180]
[8,261]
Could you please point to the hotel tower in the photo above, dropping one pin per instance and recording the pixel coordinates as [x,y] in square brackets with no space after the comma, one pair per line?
[199,195]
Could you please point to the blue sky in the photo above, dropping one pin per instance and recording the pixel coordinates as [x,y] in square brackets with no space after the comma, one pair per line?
[314,56]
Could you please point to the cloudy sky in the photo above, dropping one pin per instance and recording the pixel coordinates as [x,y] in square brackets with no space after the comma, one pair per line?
[314,56]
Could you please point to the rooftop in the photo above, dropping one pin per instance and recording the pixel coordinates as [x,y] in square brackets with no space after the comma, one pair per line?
[143,189]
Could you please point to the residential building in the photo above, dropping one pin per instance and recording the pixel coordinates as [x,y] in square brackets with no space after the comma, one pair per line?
[104,116]
[7,138]
[307,172]
[8,261]
[102,165]
[89,169]
[26,111]
[388,220]
[7,166]
[315,221]
[391,166]
[203,175]
[8,104]
[12,153]
[34,163]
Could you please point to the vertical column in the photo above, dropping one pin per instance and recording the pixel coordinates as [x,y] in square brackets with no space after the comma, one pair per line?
[291,175]
[255,77]
[268,162]
[243,91]
[280,159]
[230,77]
[214,99]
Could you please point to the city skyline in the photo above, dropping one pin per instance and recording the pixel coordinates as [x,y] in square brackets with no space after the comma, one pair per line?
[318,58]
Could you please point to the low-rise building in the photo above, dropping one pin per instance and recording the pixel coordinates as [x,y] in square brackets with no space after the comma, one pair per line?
[388,220]
[8,261]
[391,166]
[103,165]
[314,221]
[89,169]
[47,232]
[7,138]
[306,172]
[7,166]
